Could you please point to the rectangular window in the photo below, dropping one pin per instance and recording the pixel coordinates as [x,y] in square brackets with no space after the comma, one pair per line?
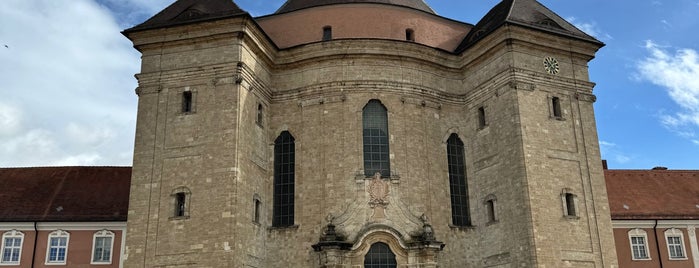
[102,252]
[481,117]
[180,199]
[570,205]
[58,246]
[187,102]
[674,244]
[639,248]
[12,246]
[556,107]
[490,209]
[327,33]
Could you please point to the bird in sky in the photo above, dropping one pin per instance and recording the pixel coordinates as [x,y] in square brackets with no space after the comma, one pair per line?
[6,46]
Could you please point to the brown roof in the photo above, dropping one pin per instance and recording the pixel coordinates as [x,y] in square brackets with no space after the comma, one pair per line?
[67,194]
[292,5]
[653,194]
[527,13]
[190,11]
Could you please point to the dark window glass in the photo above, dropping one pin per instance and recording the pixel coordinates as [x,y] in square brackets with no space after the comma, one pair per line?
[180,204]
[327,33]
[570,205]
[260,114]
[490,207]
[187,102]
[283,180]
[481,117]
[380,256]
[376,153]
[457,182]
[409,35]
[556,105]
[257,211]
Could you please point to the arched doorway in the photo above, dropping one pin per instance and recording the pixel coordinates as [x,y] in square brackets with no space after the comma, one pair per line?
[380,256]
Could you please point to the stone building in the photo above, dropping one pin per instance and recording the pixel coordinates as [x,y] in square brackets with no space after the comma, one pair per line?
[365,133]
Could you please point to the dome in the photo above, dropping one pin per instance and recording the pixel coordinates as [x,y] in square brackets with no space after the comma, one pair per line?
[292,5]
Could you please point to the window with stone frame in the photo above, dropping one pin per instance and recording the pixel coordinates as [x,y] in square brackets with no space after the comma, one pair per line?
[570,204]
[375,139]
[638,239]
[57,248]
[181,202]
[11,247]
[458,186]
[380,256]
[102,244]
[556,110]
[187,102]
[675,244]
[284,180]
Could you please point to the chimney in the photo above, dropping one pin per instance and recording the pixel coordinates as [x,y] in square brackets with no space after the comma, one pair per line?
[604,164]
[660,168]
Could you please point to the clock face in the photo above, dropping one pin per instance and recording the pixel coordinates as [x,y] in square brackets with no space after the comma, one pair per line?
[551,65]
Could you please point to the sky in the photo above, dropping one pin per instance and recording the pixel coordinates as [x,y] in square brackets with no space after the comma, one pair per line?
[67,77]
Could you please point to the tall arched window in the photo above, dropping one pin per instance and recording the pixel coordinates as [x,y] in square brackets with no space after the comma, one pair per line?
[380,256]
[376,154]
[283,180]
[457,182]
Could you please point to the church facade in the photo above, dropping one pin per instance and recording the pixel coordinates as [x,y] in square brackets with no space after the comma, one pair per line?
[365,133]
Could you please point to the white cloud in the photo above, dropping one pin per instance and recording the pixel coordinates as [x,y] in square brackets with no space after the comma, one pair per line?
[590,28]
[611,151]
[10,119]
[675,70]
[70,71]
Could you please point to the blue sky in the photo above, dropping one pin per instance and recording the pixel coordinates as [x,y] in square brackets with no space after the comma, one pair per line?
[66,76]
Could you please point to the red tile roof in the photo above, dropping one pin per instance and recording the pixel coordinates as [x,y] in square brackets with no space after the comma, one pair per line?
[653,194]
[67,194]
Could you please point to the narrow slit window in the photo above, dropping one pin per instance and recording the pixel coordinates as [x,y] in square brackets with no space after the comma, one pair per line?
[327,33]
[490,210]
[570,205]
[556,106]
[256,213]
[187,102]
[481,117]
[180,205]
[409,35]
[260,115]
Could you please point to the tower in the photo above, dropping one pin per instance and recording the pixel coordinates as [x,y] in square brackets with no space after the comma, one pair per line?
[342,133]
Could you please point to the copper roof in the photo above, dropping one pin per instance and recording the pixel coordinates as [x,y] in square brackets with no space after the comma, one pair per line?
[65,194]
[292,5]
[653,194]
[190,11]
